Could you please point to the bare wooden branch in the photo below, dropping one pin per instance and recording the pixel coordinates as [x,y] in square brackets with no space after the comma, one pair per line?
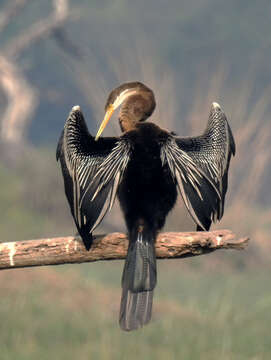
[21,97]
[21,101]
[10,12]
[66,250]
[40,29]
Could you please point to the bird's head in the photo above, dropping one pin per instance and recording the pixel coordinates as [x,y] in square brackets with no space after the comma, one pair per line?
[137,104]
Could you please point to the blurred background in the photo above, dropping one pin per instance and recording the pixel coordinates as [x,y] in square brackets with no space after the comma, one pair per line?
[59,53]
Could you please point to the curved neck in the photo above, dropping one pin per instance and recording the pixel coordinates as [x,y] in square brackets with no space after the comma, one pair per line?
[136,108]
[126,123]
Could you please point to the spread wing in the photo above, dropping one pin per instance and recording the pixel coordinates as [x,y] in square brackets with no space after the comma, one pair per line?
[92,171]
[200,166]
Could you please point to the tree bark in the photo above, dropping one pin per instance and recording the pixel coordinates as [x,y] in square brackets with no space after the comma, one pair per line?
[70,249]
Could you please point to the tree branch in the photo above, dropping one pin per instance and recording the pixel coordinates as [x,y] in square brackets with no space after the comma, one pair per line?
[40,29]
[21,101]
[21,97]
[10,12]
[66,250]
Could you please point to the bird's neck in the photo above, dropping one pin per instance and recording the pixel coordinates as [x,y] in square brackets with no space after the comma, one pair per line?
[127,123]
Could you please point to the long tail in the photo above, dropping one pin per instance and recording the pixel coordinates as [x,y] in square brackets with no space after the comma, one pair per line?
[138,281]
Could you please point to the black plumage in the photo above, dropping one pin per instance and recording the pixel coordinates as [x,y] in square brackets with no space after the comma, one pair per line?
[145,167]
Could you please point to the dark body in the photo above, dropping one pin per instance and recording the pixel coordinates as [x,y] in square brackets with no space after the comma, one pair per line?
[147,191]
[146,166]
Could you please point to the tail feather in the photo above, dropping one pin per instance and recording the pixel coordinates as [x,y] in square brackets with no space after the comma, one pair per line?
[138,282]
[135,309]
[139,272]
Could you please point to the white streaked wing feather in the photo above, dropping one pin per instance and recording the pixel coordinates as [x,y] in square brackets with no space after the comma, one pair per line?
[90,171]
[185,171]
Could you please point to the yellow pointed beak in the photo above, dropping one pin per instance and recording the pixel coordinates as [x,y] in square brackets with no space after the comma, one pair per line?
[108,114]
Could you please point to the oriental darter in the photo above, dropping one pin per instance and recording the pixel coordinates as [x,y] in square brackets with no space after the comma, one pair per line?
[145,168]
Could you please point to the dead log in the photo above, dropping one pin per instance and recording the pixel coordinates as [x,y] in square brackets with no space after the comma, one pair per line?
[70,249]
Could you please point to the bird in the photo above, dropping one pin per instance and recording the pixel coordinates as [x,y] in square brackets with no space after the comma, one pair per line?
[146,168]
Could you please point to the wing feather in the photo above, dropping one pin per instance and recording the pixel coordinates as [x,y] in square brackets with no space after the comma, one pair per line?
[200,166]
[197,189]
[213,151]
[92,171]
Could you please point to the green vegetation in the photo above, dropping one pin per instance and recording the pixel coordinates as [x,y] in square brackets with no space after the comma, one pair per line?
[58,313]
[27,199]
